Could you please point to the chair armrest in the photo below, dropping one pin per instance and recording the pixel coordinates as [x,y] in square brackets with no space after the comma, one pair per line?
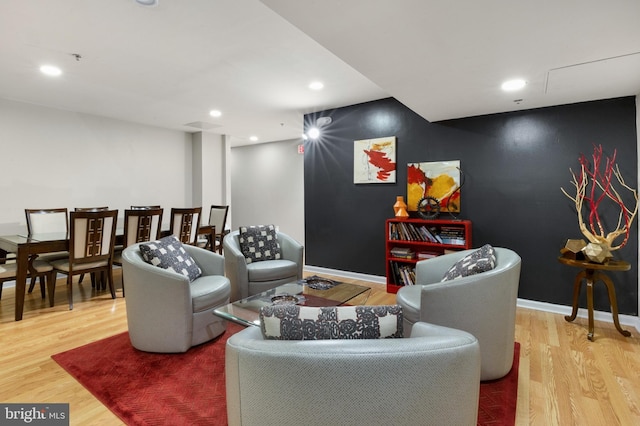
[235,267]
[291,250]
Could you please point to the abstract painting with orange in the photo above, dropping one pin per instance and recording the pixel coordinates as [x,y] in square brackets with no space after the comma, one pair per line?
[439,179]
[374,160]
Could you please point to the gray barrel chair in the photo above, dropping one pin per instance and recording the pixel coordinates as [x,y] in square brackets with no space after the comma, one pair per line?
[166,312]
[483,305]
[430,378]
[248,279]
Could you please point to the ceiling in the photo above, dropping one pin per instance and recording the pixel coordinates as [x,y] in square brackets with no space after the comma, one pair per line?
[170,64]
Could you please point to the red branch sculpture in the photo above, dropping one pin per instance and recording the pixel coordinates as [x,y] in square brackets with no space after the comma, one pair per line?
[594,186]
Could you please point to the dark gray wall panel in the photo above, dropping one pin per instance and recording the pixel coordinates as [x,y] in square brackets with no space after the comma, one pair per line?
[514,164]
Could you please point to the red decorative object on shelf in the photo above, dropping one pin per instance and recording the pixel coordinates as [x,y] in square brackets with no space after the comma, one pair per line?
[400,207]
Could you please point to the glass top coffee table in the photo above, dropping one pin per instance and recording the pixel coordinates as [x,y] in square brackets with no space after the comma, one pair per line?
[311,291]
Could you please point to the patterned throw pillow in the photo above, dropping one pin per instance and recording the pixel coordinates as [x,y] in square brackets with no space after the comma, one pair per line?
[259,243]
[481,260]
[169,253]
[293,322]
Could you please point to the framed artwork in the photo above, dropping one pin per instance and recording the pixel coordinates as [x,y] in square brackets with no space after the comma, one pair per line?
[439,180]
[374,160]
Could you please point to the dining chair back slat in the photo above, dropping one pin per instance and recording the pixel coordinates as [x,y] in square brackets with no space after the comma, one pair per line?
[92,235]
[47,220]
[141,225]
[91,209]
[185,223]
[145,207]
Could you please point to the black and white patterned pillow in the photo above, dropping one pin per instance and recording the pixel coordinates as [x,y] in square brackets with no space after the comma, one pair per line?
[169,253]
[481,260]
[259,243]
[293,322]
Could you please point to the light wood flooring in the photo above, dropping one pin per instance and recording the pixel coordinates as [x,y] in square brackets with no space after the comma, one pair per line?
[564,379]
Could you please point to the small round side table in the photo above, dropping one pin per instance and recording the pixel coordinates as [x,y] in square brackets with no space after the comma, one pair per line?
[591,273]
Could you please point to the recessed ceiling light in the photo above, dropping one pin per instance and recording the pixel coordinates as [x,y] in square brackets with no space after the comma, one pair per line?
[253,138]
[50,70]
[147,2]
[215,113]
[316,85]
[512,85]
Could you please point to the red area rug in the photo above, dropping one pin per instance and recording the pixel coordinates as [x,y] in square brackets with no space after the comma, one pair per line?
[179,389]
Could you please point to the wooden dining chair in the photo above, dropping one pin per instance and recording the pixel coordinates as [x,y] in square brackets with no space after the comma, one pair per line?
[37,269]
[140,225]
[47,221]
[185,223]
[217,221]
[90,209]
[91,243]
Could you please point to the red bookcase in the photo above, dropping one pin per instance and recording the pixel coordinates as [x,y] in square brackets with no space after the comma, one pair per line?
[411,240]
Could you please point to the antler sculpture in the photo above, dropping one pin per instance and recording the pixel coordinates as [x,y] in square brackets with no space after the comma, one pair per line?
[594,186]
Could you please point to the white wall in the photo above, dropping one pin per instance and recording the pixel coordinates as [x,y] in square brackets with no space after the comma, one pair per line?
[267,187]
[209,171]
[53,158]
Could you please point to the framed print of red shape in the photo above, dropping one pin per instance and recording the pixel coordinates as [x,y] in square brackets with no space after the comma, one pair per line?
[374,160]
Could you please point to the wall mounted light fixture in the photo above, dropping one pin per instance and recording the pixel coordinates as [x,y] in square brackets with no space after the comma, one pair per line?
[314,132]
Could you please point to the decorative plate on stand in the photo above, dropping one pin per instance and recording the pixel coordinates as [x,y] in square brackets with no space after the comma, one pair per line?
[319,283]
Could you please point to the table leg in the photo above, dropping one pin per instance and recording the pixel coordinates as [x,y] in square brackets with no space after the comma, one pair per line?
[589,279]
[576,296]
[613,302]
[22,263]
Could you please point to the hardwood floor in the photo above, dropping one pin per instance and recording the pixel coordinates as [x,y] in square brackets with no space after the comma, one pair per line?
[563,380]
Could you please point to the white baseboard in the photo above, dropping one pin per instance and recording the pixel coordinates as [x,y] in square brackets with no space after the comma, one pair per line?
[346,274]
[628,320]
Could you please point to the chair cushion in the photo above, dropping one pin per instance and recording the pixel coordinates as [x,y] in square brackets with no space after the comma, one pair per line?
[64,265]
[271,270]
[259,243]
[481,260]
[209,291]
[169,253]
[293,322]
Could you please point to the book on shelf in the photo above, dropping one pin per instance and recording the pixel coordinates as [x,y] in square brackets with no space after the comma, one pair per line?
[403,252]
[403,274]
[453,235]
[426,255]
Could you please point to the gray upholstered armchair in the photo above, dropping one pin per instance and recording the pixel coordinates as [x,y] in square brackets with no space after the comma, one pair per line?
[252,278]
[483,304]
[430,378]
[165,311]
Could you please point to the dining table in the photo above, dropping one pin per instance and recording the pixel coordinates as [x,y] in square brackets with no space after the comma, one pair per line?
[27,248]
